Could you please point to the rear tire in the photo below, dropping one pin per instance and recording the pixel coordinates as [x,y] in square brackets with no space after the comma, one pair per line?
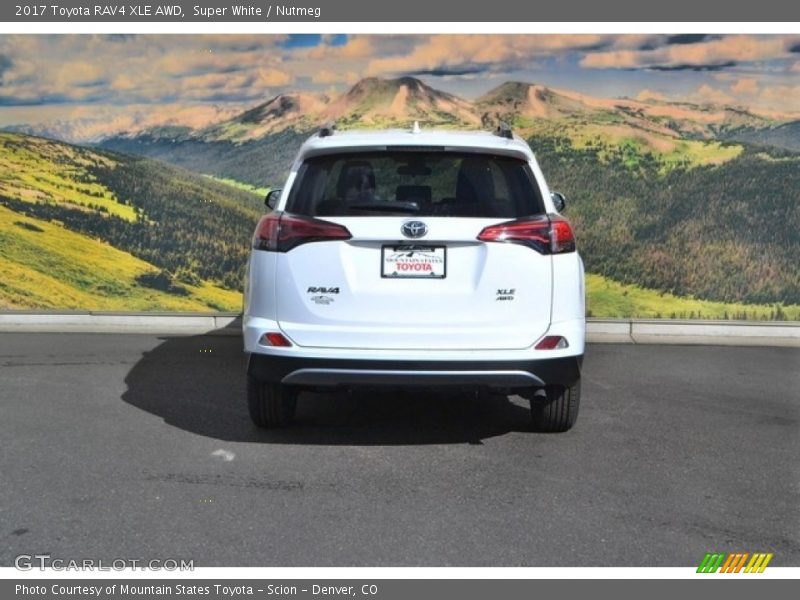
[557,410]
[271,405]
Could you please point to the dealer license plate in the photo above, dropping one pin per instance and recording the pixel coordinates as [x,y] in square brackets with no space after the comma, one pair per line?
[414,261]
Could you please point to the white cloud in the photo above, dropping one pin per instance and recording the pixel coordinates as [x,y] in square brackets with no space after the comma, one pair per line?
[130,69]
[646,95]
[709,53]
[708,94]
[462,53]
[745,86]
[329,77]
[781,97]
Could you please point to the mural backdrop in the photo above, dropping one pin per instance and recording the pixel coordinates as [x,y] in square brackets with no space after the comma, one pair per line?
[132,168]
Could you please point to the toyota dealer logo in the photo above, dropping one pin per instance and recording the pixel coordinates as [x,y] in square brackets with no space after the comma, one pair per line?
[414,229]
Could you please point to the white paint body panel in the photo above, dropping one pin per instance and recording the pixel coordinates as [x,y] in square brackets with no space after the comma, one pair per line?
[454,318]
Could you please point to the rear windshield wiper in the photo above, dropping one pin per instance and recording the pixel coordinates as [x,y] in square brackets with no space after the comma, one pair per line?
[408,207]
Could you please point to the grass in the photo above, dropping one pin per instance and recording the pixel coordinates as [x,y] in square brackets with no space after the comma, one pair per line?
[693,153]
[611,299]
[39,170]
[44,266]
[230,131]
[631,144]
[261,191]
[777,159]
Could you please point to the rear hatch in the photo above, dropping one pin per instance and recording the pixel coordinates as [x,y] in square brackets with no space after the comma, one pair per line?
[413,273]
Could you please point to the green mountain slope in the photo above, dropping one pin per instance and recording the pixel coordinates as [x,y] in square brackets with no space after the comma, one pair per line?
[263,162]
[44,265]
[86,229]
[611,299]
[96,230]
[784,135]
[660,195]
[728,233]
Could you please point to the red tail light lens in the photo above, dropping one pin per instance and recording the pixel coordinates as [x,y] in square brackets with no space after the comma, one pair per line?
[562,239]
[547,235]
[534,233]
[552,342]
[274,339]
[281,232]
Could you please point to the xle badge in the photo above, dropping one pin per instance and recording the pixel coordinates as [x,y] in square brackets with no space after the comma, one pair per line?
[507,294]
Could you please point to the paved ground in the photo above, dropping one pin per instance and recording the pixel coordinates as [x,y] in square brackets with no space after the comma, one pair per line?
[140,447]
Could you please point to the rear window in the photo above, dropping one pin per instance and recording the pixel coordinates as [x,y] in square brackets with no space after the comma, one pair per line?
[424,183]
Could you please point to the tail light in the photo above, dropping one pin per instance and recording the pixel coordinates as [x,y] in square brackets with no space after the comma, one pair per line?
[547,235]
[274,339]
[280,232]
[562,239]
[552,342]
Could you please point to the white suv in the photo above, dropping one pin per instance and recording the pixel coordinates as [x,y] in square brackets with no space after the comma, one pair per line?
[411,258]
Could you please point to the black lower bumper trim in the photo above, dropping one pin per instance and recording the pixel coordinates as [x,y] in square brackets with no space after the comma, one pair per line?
[331,372]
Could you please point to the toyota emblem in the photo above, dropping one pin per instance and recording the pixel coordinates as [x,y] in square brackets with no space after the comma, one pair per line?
[414,229]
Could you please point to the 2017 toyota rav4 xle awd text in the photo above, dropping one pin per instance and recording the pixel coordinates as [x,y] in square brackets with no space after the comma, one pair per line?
[411,258]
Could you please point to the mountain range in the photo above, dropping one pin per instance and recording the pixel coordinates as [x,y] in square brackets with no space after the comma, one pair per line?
[680,209]
[257,145]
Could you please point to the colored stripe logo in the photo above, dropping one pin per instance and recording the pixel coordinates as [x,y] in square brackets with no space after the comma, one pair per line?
[734,562]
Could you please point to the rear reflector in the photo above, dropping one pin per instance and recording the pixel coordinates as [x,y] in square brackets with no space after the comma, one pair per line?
[547,235]
[552,342]
[281,232]
[274,339]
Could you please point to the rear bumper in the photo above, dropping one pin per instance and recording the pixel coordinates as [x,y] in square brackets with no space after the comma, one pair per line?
[327,372]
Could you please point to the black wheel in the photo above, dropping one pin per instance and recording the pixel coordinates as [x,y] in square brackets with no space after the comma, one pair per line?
[557,409]
[270,404]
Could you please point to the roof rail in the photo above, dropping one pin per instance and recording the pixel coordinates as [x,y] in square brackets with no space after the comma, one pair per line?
[504,130]
[327,129]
